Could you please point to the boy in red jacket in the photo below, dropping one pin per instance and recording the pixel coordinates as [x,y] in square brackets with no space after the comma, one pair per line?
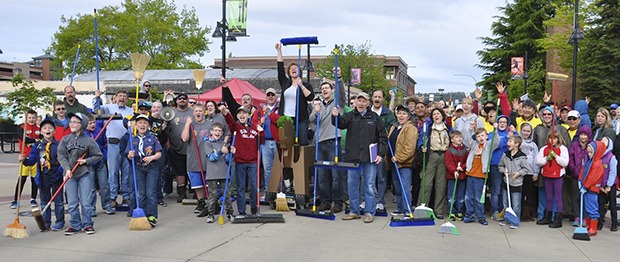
[590,180]
[456,159]
[249,136]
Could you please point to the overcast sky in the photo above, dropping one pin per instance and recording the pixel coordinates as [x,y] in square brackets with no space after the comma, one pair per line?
[437,39]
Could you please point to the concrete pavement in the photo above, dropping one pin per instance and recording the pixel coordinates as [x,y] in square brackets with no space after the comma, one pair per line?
[180,236]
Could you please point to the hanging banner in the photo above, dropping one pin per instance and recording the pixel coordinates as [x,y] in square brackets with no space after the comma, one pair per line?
[237,17]
[356,76]
[516,67]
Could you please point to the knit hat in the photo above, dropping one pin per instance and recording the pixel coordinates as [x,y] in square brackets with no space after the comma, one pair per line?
[547,108]
[503,116]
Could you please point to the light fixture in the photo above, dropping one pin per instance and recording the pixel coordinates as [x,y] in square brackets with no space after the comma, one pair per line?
[231,38]
[219,30]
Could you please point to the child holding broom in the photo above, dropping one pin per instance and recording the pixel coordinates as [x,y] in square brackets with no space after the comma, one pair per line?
[217,152]
[477,168]
[78,149]
[49,173]
[456,161]
[31,131]
[590,180]
[553,159]
[145,151]
[514,163]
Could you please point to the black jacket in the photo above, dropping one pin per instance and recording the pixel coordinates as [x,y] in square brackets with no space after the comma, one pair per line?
[285,83]
[361,132]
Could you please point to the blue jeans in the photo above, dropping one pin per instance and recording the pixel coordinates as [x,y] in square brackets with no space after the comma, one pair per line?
[80,191]
[118,165]
[369,173]
[161,165]
[472,197]
[459,198]
[496,184]
[47,188]
[101,175]
[146,178]
[330,186]
[245,172]
[403,202]
[515,198]
[268,151]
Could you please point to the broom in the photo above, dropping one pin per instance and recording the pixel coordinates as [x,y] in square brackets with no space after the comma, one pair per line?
[220,220]
[510,216]
[138,218]
[281,203]
[15,229]
[38,215]
[199,76]
[406,221]
[448,227]
[138,66]
[581,233]
[422,211]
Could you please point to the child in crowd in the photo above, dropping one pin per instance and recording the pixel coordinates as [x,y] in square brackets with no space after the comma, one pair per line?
[32,133]
[590,181]
[77,149]
[100,168]
[578,153]
[496,176]
[609,184]
[456,161]
[514,165]
[145,151]
[529,191]
[477,169]
[217,151]
[49,173]
[249,136]
[553,159]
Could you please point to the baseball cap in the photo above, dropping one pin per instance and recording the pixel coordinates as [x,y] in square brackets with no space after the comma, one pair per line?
[403,108]
[80,116]
[574,113]
[363,95]
[181,95]
[459,107]
[567,108]
[242,108]
[614,106]
[47,121]
[142,116]
[271,90]
[144,104]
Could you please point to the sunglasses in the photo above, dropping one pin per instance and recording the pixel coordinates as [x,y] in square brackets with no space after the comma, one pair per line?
[547,114]
[271,94]
[182,98]
[147,85]
[192,102]
[60,109]
[572,118]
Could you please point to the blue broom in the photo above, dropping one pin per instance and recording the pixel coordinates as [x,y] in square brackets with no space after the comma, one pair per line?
[138,218]
[510,216]
[581,233]
[407,220]
[220,219]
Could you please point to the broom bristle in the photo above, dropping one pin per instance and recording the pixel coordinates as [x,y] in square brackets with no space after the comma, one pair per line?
[38,217]
[281,204]
[138,64]
[220,220]
[139,223]
[16,230]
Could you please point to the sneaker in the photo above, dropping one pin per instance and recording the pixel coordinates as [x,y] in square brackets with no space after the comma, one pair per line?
[503,223]
[576,222]
[324,207]
[513,227]
[229,217]
[495,216]
[89,230]
[58,227]
[33,203]
[203,213]
[368,218]
[396,213]
[351,216]
[440,217]
[459,216]
[452,217]
[125,202]
[199,208]
[483,222]
[71,231]
[110,211]
[162,203]
[337,209]
[380,207]
[113,203]
[152,221]
[469,220]
[363,205]
[253,210]
[210,219]
[14,205]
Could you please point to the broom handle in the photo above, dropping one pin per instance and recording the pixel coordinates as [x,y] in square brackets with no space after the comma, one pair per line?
[401,182]
[484,187]
[19,178]
[424,165]
[204,182]
[297,102]
[580,206]
[75,167]
[257,172]
[337,105]
[96,49]
[133,167]
[316,157]
[77,57]
[508,190]
[228,175]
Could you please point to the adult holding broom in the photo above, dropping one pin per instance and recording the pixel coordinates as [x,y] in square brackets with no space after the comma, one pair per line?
[80,184]
[295,96]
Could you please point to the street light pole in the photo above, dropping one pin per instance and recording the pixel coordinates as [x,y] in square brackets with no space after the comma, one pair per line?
[470,76]
[574,39]
[221,31]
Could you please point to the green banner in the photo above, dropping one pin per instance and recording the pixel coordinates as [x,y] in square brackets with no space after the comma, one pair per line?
[237,17]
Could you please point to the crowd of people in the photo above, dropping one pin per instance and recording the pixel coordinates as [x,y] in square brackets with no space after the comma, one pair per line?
[543,155]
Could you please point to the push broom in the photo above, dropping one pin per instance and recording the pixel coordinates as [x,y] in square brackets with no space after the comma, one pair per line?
[38,215]
[220,220]
[138,218]
[422,211]
[510,215]
[406,220]
[328,215]
[16,229]
[581,233]
[448,227]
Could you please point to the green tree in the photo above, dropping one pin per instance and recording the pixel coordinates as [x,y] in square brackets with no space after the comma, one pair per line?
[514,33]
[599,67]
[172,39]
[27,97]
[357,56]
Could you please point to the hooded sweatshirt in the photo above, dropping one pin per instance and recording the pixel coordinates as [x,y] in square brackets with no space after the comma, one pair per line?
[582,107]
[593,170]
[503,142]
[511,164]
[610,177]
[72,147]
[530,149]
[577,153]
